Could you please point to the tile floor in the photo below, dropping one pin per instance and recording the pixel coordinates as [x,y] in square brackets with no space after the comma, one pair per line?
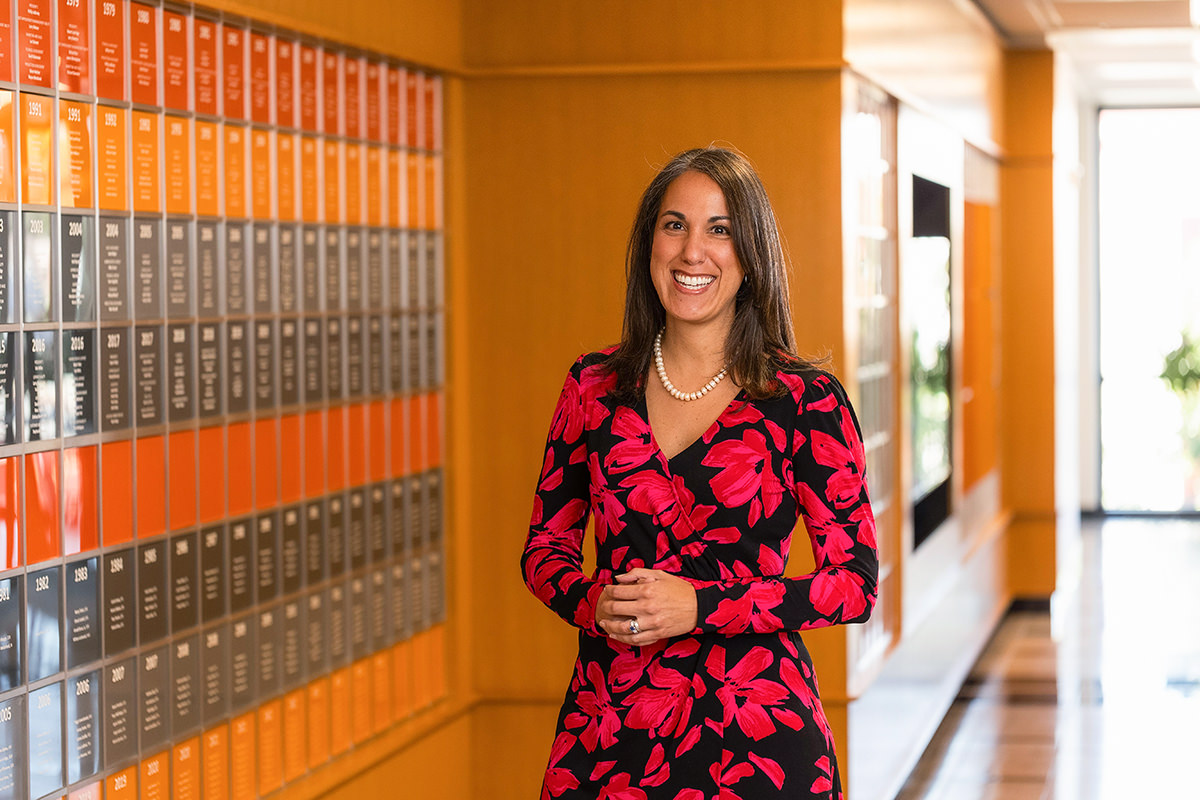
[1099,700]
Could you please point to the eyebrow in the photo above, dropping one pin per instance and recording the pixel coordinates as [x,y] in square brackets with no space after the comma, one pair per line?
[681,216]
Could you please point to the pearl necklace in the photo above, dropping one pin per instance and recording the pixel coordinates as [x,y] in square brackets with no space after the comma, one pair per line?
[670,387]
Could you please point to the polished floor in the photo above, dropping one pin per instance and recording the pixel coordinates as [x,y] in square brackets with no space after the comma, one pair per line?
[1099,699]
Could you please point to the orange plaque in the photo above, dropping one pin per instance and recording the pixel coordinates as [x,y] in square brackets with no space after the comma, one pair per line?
[374,185]
[143,54]
[145,162]
[122,785]
[433,195]
[310,182]
[116,503]
[185,770]
[433,112]
[111,158]
[10,505]
[285,159]
[394,96]
[42,493]
[413,129]
[37,158]
[333,181]
[175,60]
[381,679]
[156,777]
[361,701]
[374,101]
[208,194]
[204,69]
[318,722]
[110,49]
[81,507]
[413,179]
[260,173]
[242,753]
[397,196]
[8,170]
[295,735]
[402,676]
[233,43]
[215,764]
[285,83]
[177,146]
[314,453]
[354,167]
[308,88]
[6,42]
[331,93]
[353,69]
[260,78]
[33,24]
[74,74]
[270,747]
[339,711]
[235,171]
[75,154]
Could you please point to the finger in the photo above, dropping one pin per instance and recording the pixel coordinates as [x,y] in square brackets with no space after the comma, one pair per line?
[637,575]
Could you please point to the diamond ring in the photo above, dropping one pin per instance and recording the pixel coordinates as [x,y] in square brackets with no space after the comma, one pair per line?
[633,626]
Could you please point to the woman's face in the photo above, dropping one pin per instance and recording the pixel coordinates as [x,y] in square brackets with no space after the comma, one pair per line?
[693,264]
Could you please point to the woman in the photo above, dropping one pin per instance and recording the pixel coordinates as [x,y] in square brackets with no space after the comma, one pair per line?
[696,443]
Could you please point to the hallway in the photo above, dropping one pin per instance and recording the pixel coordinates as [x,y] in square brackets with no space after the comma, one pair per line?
[1100,700]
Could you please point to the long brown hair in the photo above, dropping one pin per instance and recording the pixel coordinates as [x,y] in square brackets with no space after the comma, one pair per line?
[761,340]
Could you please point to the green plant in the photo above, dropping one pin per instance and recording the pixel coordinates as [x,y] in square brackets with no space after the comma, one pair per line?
[1181,366]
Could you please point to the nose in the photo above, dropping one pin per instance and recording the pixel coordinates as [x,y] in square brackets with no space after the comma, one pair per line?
[693,248]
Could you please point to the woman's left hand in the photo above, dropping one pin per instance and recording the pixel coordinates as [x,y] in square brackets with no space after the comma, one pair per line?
[663,605]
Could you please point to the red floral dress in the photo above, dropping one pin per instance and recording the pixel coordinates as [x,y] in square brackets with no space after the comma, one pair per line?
[730,710]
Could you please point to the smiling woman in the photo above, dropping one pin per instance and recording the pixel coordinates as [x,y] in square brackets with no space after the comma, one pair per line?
[692,679]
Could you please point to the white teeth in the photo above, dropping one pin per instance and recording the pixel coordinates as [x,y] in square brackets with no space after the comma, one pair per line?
[694,282]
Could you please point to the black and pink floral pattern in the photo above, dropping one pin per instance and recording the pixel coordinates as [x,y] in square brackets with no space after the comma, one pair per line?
[732,709]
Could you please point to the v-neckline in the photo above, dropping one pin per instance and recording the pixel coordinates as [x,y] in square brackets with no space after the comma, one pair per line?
[644,412]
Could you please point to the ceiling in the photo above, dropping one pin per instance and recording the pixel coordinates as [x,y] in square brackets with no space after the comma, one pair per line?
[1125,52]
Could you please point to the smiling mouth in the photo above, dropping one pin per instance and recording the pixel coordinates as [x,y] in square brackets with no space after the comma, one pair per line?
[693,281]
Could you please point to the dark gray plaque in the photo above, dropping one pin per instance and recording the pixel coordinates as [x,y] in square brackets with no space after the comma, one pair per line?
[83,725]
[37,273]
[433,270]
[339,638]
[354,270]
[120,712]
[414,345]
[289,362]
[356,366]
[266,550]
[185,603]
[261,269]
[397,518]
[114,269]
[115,378]
[416,591]
[237,363]
[316,624]
[270,631]
[241,662]
[43,622]
[79,382]
[185,685]
[12,625]
[14,766]
[334,364]
[396,353]
[214,573]
[45,740]
[292,641]
[78,246]
[154,693]
[147,268]
[431,369]
[215,670]
[241,566]
[119,605]
[179,269]
[377,534]
[291,564]
[310,268]
[8,387]
[152,592]
[208,270]
[314,542]
[360,631]
[377,616]
[412,270]
[8,275]
[41,385]
[395,270]
[314,374]
[376,381]
[289,295]
[375,296]
[334,270]
[148,354]
[235,268]
[265,394]
[83,612]
[433,505]
[181,381]
[335,536]
[435,583]
[399,597]
[209,372]
[356,534]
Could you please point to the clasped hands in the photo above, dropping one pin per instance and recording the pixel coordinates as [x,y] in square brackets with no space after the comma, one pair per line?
[664,605]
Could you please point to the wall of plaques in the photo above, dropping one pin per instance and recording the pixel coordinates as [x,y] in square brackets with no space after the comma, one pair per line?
[221,371]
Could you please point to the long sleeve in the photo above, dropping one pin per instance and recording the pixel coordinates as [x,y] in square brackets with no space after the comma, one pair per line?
[829,478]
[553,557]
